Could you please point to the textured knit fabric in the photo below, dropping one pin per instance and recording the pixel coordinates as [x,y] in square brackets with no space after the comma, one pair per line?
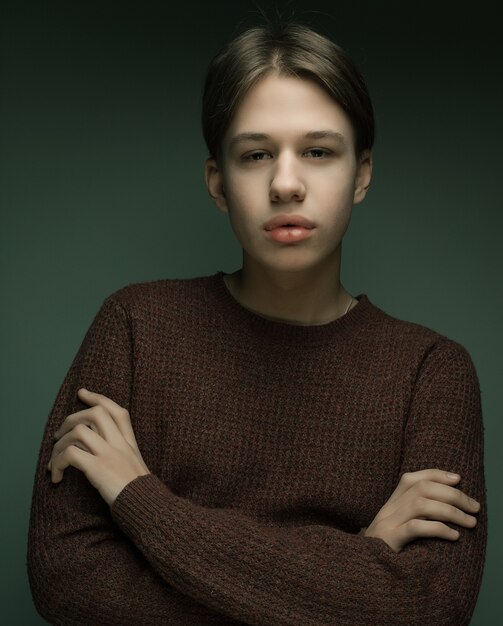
[270,445]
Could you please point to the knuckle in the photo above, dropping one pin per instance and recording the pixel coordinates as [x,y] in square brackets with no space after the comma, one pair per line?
[452,507]
[467,500]
[406,477]
[421,487]
[421,503]
[413,525]
[97,419]
[81,429]
[71,453]
[67,422]
[454,512]
[123,414]
[100,412]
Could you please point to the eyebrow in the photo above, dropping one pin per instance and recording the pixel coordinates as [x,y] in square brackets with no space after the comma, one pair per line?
[313,134]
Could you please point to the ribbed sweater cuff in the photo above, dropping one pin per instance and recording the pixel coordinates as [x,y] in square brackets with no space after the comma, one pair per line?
[138,506]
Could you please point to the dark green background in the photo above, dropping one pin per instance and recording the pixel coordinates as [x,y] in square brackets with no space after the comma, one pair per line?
[102,185]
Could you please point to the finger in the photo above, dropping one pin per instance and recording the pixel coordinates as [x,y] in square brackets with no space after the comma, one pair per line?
[97,418]
[447,494]
[82,434]
[435,510]
[72,455]
[424,528]
[81,437]
[119,414]
[416,507]
[409,479]
[430,500]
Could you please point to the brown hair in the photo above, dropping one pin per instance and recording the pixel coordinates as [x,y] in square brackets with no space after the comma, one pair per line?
[290,49]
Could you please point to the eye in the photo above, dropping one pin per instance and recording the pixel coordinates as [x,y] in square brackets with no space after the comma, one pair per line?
[251,157]
[319,150]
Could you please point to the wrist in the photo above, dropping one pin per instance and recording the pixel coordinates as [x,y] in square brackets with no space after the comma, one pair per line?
[110,495]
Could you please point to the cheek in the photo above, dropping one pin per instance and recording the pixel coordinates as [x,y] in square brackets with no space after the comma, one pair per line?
[244,198]
[334,188]
[239,208]
[237,195]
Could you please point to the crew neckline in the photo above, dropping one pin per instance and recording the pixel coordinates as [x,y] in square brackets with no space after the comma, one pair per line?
[285,332]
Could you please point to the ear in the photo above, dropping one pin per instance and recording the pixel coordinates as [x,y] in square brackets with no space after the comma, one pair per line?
[363,176]
[214,182]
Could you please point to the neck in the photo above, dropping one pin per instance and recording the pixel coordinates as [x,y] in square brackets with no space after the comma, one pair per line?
[307,297]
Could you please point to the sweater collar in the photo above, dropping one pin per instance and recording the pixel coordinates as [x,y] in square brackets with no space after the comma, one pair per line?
[236,315]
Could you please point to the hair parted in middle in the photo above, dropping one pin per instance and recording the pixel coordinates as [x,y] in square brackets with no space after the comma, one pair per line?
[288,49]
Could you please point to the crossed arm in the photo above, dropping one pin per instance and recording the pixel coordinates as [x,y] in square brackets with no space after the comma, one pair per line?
[160,559]
[100,442]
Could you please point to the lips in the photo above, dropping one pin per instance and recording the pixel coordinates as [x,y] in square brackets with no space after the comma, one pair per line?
[286,219]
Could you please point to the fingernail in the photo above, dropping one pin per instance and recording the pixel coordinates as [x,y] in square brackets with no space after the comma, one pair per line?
[450,475]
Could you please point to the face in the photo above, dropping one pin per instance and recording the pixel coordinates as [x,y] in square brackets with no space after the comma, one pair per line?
[285,171]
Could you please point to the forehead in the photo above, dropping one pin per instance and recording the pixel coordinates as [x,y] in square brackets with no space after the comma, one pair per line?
[282,106]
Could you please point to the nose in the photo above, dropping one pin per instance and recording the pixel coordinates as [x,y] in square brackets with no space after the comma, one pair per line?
[286,183]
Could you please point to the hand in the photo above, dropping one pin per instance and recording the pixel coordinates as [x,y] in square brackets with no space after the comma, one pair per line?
[419,497]
[100,442]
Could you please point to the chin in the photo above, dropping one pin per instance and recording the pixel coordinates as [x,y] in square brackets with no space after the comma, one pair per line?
[291,266]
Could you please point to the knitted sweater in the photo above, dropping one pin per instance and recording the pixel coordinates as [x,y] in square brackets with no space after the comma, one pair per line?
[271,446]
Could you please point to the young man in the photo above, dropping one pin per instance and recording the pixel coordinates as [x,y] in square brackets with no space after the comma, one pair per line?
[295,440]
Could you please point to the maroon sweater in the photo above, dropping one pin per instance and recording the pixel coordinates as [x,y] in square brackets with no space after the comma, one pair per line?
[271,445]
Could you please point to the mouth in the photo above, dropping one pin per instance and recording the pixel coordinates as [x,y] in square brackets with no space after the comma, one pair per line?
[285,234]
[291,221]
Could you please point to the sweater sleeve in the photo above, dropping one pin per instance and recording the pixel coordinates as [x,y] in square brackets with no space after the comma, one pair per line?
[82,569]
[317,574]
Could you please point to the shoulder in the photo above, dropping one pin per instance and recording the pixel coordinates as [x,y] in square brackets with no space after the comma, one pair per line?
[432,350]
[158,296]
